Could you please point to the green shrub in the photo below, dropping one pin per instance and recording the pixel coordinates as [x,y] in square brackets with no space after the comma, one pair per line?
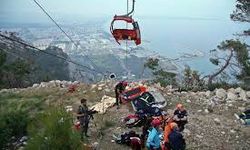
[12,124]
[53,130]
[223,85]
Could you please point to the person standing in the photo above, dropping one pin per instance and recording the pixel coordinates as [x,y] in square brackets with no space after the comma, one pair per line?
[169,127]
[119,88]
[176,140]
[154,141]
[83,117]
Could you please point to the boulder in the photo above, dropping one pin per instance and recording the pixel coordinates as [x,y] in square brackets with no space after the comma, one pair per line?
[217,120]
[93,86]
[199,110]
[232,90]
[221,93]
[248,94]
[95,145]
[238,90]
[42,84]
[101,85]
[187,132]
[231,96]
[51,84]
[230,105]
[107,90]
[243,95]
[183,92]
[192,93]
[199,136]
[242,108]
[4,90]
[76,82]
[208,94]
[201,93]
[35,85]
[206,111]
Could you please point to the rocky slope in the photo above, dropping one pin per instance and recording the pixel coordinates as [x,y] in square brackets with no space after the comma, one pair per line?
[212,124]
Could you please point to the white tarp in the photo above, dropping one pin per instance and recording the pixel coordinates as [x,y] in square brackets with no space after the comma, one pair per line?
[105,103]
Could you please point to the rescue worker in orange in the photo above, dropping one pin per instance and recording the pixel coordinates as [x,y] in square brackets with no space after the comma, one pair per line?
[167,130]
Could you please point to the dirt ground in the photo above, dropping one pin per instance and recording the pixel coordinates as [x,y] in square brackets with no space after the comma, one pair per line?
[217,129]
[208,128]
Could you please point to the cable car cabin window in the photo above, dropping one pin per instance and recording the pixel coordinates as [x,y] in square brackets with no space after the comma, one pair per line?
[119,24]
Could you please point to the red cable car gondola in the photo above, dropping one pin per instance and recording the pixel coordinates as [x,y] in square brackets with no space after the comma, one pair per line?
[126,34]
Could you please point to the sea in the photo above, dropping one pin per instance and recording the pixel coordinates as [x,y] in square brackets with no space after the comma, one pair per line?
[176,37]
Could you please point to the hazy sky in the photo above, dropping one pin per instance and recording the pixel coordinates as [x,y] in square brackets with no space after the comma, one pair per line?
[27,11]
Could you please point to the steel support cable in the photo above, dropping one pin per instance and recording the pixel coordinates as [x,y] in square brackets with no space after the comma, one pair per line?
[126,49]
[45,52]
[65,33]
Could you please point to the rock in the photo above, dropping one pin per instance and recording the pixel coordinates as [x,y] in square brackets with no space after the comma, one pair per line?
[230,105]
[223,132]
[243,95]
[217,120]
[24,138]
[187,132]
[101,85]
[76,82]
[232,131]
[206,111]
[192,93]
[248,94]
[99,88]
[21,148]
[232,90]
[183,92]
[201,93]
[107,90]
[93,86]
[231,96]
[199,136]
[199,111]
[4,90]
[221,93]
[208,94]
[42,84]
[242,108]
[238,90]
[35,85]
[95,145]
[51,84]
[188,101]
